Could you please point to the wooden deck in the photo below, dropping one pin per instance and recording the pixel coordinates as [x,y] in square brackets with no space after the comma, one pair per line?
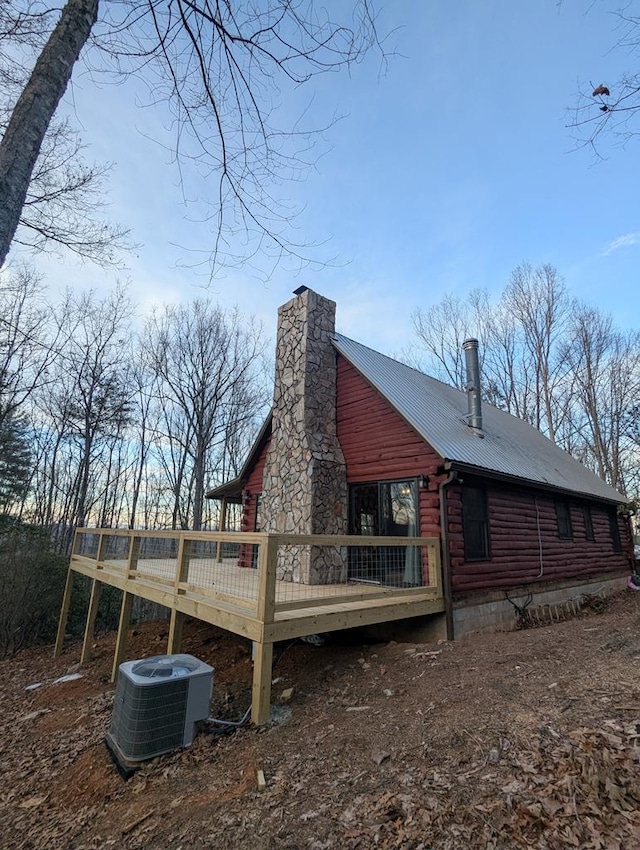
[167,568]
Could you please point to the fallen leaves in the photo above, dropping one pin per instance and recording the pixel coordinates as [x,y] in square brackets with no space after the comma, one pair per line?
[458,746]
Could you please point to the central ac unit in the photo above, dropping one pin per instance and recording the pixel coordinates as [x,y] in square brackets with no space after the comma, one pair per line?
[158,702]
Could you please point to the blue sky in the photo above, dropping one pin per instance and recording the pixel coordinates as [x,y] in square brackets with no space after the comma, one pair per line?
[445,173]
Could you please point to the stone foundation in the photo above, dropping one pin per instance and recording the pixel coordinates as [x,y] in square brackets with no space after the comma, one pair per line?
[497,614]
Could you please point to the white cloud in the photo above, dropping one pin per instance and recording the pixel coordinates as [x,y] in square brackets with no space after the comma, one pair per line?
[622,242]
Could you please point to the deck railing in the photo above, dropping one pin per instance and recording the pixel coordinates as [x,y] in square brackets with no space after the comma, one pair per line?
[256,570]
[268,587]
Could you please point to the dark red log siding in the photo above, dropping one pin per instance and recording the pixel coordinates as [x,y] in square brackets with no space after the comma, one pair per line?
[515,550]
[252,487]
[378,445]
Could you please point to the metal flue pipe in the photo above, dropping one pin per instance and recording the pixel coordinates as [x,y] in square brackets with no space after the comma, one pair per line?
[474,400]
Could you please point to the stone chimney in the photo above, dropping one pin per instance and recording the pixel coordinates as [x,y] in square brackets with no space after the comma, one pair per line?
[305,482]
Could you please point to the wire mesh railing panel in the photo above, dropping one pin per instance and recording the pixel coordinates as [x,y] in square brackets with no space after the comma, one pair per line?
[155,557]
[325,572]
[115,550]
[223,567]
[86,544]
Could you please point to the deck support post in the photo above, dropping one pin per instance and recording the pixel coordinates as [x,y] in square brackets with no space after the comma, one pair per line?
[174,642]
[261,693]
[94,600]
[121,639]
[64,613]
[263,652]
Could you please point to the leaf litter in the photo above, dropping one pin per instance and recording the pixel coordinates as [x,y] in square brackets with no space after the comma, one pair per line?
[459,745]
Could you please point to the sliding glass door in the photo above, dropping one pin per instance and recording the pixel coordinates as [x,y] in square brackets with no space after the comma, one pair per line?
[385,509]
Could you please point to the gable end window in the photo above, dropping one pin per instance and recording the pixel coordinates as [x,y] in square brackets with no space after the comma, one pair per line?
[588,523]
[563,515]
[615,531]
[475,524]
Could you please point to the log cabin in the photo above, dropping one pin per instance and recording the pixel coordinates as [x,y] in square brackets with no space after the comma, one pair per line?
[358,443]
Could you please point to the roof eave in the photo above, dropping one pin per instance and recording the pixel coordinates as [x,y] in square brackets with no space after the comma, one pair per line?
[482,472]
[230,490]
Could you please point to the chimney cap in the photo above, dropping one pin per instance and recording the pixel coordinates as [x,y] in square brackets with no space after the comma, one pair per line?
[300,290]
[470,343]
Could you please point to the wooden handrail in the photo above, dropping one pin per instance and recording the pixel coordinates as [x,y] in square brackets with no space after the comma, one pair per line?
[262,537]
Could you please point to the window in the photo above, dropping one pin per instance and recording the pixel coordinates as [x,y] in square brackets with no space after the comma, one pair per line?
[588,523]
[563,515]
[615,531]
[475,524]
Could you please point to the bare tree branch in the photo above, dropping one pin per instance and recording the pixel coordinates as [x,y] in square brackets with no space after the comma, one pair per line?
[222,69]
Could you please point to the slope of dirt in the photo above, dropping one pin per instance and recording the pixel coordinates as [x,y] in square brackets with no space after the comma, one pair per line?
[526,739]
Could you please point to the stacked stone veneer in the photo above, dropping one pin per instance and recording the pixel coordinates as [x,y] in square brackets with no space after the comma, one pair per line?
[305,482]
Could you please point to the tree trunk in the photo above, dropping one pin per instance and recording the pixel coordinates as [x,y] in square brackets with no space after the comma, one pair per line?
[34,110]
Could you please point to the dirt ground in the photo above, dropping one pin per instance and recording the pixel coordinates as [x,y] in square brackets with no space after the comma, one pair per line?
[525,739]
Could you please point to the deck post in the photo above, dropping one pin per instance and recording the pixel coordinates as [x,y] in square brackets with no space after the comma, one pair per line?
[223,526]
[121,639]
[102,548]
[263,652]
[174,642]
[261,693]
[435,570]
[267,573]
[182,575]
[94,600]
[64,613]
[182,562]
[134,552]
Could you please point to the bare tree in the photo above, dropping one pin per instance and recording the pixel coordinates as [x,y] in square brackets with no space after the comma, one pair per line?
[92,394]
[65,207]
[205,362]
[220,66]
[26,349]
[605,368]
[537,300]
[561,366]
[64,204]
[34,111]
[442,328]
[145,424]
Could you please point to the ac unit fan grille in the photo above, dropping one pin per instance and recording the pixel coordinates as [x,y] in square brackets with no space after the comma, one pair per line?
[149,721]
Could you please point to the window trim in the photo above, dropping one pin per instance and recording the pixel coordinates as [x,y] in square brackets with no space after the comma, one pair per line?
[483,522]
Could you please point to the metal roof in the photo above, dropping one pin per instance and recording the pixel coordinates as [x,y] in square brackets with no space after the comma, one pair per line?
[510,447]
